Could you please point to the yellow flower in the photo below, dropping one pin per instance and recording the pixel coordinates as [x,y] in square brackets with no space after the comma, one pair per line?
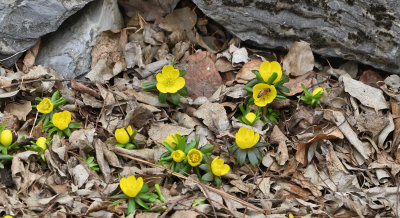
[263,94]
[245,138]
[194,157]
[41,142]
[8,216]
[6,138]
[169,81]
[122,136]
[61,120]
[131,186]
[268,68]
[178,156]
[317,90]
[218,167]
[172,139]
[250,117]
[45,106]
[291,215]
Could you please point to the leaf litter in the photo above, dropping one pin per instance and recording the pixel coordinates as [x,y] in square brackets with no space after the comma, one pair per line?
[340,159]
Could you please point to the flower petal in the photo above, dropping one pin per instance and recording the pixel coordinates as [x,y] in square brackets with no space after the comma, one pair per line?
[162,87]
[121,136]
[276,67]
[138,186]
[129,129]
[179,83]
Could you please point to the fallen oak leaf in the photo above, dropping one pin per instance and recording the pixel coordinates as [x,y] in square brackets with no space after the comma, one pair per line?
[302,148]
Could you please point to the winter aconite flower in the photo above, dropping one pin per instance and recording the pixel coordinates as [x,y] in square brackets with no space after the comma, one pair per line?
[263,94]
[131,186]
[245,138]
[317,91]
[6,138]
[61,120]
[45,106]
[194,157]
[178,156]
[122,135]
[169,81]
[250,117]
[41,142]
[172,140]
[268,68]
[8,216]
[218,167]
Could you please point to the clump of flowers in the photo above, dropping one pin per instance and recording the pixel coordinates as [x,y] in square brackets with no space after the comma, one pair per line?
[47,106]
[181,156]
[137,193]
[246,146]
[40,147]
[313,98]
[215,170]
[6,144]
[61,124]
[267,86]
[126,138]
[170,84]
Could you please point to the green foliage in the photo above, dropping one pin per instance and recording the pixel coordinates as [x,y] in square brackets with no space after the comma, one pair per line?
[308,98]
[254,155]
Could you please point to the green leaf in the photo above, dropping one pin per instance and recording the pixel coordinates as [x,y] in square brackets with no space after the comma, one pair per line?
[55,95]
[169,148]
[130,146]
[183,91]
[218,181]
[145,188]
[272,78]
[60,133]
[159,192]
[142,203]
[6,157]
[208,177]
[54,129]
[59,102]
[117,202]
[258,76]
[131,206]
[248,89]
[252,157]
[176,99]
[189,147]
[240,156]
[280,97]
[75,125]
[38,99]
[67,132]
[118,196]
[162,98]
[182,73]
[283,89]
[207,148]
[204,167]
[1,165]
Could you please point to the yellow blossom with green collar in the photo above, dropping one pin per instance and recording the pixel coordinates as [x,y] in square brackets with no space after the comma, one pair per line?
[6,138]
[169,81]
[62,120]
[131,186]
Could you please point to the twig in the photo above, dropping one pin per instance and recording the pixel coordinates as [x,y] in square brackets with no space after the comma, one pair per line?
[173,203]
[39,80]
[194,181]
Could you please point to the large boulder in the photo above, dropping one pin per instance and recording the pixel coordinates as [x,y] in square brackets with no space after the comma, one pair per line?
[22,22]
[68,50]
[364,30]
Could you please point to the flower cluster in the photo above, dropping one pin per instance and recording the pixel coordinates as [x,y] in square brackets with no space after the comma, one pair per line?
[170,84]
[126,138]
[247,146]
[313,98]
[47,106]
[266,87]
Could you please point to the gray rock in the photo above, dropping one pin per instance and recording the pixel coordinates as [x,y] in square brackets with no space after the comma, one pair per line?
[363,30]
[22,22]
[68,50]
